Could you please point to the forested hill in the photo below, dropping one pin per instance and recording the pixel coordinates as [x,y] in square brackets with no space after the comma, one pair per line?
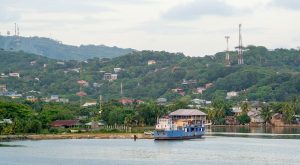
[268,75]
[56,50]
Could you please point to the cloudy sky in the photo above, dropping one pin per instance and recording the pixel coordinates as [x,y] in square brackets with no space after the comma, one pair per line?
[194,27]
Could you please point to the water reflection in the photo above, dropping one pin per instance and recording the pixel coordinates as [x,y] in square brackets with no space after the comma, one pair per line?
[256,132]
[248,129]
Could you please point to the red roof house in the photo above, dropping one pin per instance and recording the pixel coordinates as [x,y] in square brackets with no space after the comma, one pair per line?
[65,123]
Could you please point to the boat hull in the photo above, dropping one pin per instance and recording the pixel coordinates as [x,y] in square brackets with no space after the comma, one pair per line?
[177,135]
[178,138]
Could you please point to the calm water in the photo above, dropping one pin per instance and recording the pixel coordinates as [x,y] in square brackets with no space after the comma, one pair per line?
[209,150]
[247,129]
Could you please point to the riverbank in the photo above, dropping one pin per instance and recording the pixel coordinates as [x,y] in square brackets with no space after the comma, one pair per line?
[75,136]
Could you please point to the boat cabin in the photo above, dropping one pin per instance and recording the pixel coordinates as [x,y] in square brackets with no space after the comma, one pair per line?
[188,116]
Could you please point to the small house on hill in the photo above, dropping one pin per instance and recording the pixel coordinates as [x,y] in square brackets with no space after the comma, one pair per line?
[151,62]
[65,123]
[90,103]
[130,101]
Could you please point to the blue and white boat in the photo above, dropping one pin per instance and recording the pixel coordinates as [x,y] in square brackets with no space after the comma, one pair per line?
[181,124]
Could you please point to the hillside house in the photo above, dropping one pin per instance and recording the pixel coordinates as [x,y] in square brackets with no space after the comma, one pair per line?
[130,101]
[3,75]
[151,62]
[110,76]
[90,103]
[31,98]
[116,70]
[231,94]
[255,117]
[107,76]
[97,85]
[32,63]
[114,77]
[14,74]
[200,90]
[65,123]
[13,95]
[237,110]
[60,63]
[54,97]
[177,90]
[161,101]
[3,88]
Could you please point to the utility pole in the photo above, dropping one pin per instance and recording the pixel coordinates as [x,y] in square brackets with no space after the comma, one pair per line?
[227,59]
[15,29]
[121,91]
[100,105]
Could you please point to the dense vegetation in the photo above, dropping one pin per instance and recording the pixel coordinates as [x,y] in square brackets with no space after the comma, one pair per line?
[266,76]
[56,50]
[36,117]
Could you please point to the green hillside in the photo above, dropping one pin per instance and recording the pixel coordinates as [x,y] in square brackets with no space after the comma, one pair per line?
[56,50]
[268,75]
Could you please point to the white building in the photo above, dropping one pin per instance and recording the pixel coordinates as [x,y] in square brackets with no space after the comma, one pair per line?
[14,74]
[231,94]
[151,62]
[88,104]
[114,77]
[116,70]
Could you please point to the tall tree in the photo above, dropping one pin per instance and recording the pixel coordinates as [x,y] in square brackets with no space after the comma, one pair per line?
[288,112]
[266,113]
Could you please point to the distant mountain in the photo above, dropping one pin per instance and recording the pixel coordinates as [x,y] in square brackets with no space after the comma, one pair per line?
[57,50]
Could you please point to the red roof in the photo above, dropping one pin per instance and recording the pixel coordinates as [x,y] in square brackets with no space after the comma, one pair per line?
[61,123]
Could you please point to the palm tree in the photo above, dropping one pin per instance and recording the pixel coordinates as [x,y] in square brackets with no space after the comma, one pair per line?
[288,112]
[266,113]
[245,107]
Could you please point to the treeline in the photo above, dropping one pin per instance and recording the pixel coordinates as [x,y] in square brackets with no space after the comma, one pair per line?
[36,117]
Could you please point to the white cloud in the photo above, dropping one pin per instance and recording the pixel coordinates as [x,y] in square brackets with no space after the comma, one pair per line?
[199,8]
[289,4]
[7,14]
[189,26]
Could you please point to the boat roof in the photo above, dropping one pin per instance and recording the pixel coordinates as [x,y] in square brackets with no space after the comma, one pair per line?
[187,112]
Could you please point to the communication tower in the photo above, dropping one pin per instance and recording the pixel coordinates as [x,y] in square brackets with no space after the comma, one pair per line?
[227,58]
[81,82]
[240,47]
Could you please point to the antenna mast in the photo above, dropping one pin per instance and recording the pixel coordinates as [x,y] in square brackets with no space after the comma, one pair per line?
[227,59]
[240,47]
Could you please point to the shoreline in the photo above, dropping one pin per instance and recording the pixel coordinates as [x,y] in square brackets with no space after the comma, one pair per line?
[75,136]
[7,138]
[209,133]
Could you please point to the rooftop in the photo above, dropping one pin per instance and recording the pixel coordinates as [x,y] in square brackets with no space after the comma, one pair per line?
[187,112]
[59,123]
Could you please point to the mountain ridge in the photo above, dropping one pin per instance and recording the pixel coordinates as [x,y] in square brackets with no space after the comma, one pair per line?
[57,50]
